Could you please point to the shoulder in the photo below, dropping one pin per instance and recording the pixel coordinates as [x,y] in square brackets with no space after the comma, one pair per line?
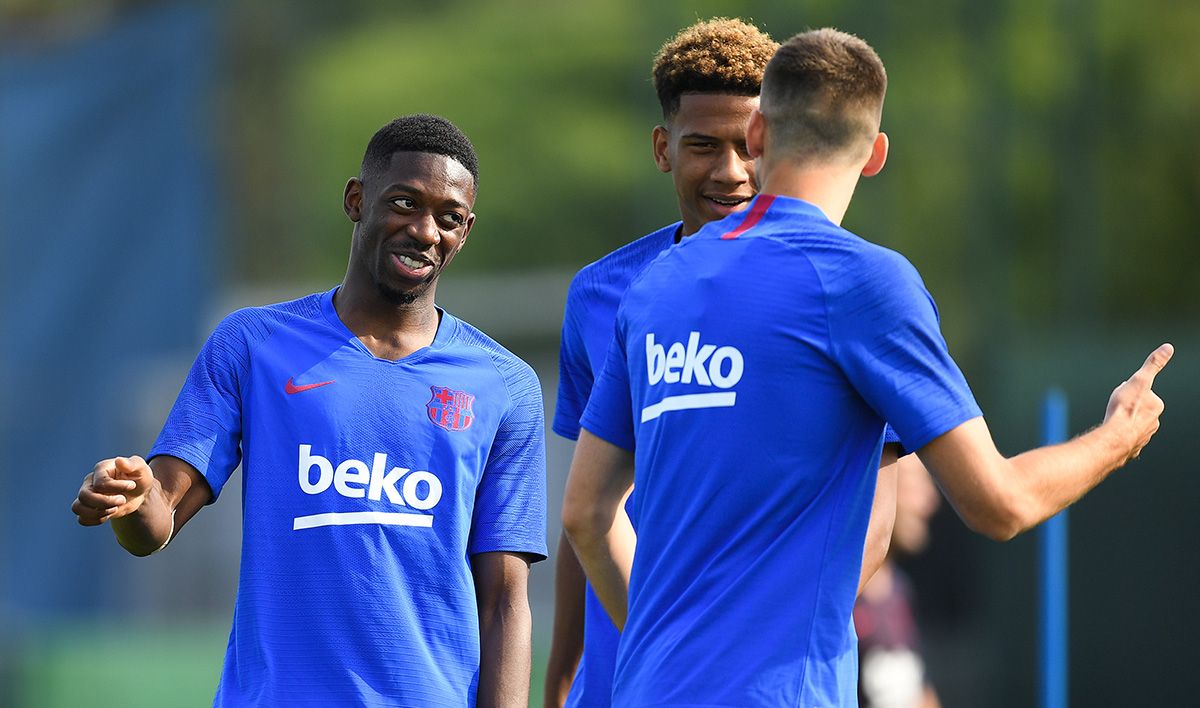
[242,331]
[849,265]
[254,323]
[518,376]
[619,267]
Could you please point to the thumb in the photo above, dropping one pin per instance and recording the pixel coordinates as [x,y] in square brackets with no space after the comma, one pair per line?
[134,468]
[1153,365]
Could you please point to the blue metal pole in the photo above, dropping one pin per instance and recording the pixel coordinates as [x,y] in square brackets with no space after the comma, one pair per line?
[1053,580]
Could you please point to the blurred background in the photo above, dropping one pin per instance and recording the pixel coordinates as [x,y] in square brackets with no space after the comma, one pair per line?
[162,163]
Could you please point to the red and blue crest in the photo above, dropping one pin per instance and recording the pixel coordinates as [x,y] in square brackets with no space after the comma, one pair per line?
[450,409]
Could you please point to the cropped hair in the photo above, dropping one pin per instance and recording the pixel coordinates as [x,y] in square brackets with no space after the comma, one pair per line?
[822,95]
[715,56]
[420,132]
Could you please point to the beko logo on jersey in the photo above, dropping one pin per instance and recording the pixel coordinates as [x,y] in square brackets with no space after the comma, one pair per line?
[702,364]
[355,479]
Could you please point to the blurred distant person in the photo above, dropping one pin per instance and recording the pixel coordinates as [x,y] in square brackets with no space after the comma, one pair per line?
[393,464]
[752,370]
[707,79]
[891,667]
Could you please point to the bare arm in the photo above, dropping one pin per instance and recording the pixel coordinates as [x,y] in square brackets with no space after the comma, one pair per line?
[595,520]
[883,516]
[505,627]
[1001,497]
[146,503]
[566,644]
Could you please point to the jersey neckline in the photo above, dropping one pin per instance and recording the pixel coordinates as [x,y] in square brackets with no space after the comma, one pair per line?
[447,328]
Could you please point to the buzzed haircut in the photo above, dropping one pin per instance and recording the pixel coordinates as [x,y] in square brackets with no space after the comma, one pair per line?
[715,56]
[822,95]
[419,132]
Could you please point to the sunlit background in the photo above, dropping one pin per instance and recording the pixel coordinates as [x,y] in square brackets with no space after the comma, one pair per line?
[162,163]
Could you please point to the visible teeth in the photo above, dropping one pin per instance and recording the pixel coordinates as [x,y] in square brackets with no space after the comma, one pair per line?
[411,263]
[726,202]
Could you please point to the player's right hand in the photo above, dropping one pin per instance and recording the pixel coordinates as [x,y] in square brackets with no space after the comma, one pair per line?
[1134,407]
[114,488]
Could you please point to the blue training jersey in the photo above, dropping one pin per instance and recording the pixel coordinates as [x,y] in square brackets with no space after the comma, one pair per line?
[587,332]
[367,485]
[754,365]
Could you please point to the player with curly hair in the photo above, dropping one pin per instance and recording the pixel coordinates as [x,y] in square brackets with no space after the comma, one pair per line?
[752,370]
[707,79]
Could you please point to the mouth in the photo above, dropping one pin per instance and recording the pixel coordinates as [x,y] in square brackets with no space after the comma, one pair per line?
[411,266]
[727,203]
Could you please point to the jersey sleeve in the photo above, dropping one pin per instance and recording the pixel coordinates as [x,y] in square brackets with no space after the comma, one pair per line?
[609,413]
[575,375]
[204,427]
[510,503]
[885,336]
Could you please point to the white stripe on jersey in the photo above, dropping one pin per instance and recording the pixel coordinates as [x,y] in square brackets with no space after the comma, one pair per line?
[688,402]
[384,518]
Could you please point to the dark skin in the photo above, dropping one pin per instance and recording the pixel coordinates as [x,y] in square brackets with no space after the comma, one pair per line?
[411,219]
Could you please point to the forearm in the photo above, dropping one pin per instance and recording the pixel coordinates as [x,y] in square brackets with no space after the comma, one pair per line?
[1001,497]
[566,644]
[605,549]
[1049,479]
[595,520]
[505,648]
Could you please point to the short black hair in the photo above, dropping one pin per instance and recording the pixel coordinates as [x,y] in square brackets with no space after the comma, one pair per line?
[420,132]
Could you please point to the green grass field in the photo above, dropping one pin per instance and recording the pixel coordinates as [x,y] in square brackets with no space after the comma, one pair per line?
[103,666]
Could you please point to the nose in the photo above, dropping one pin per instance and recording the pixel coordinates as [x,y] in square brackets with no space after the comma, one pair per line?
[424,230]
[730,168]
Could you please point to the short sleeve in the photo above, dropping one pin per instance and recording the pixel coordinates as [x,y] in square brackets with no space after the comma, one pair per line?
[204,427]
[510,503]
[575,375]
[609,413]
[885,335]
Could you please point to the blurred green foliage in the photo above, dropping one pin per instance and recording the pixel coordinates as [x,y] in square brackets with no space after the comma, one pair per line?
[1043,169]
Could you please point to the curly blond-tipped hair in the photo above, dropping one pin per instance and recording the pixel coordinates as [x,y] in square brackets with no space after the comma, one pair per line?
[716,56]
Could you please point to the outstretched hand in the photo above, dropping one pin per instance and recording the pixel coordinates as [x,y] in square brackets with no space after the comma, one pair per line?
[1134,406]
[114,488]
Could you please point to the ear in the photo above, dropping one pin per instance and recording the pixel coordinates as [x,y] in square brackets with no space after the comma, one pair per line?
[466,232]
[352,199]
[879,151]
[660,141]
[756,133]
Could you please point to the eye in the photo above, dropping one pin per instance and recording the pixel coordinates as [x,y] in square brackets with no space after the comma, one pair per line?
[404,203]
[702,147]
[453,217]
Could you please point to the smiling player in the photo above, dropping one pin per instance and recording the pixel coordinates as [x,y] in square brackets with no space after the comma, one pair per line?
[753,479]
[707,79]
[393,464]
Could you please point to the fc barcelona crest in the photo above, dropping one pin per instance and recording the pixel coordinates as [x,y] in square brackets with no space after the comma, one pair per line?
[450,409]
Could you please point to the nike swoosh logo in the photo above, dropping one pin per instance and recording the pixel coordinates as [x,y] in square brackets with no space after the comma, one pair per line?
[291,388]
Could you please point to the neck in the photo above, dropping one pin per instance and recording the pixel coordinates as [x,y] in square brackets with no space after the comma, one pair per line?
[388,330]
[829,187]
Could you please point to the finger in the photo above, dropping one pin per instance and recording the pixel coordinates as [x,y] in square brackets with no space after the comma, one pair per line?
[94,500]
[108,485]
[86,516]
[103,471]
[130,467]
[1153,365]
